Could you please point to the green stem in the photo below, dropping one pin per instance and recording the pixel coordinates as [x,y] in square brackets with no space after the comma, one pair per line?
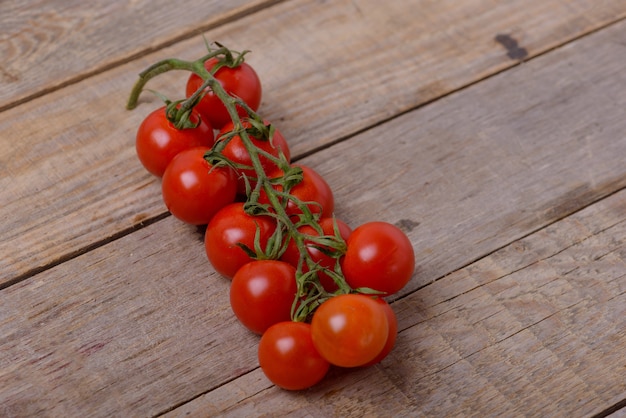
[170,64]
[151,72]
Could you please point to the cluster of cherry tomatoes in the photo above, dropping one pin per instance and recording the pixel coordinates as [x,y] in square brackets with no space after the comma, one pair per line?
[311,286]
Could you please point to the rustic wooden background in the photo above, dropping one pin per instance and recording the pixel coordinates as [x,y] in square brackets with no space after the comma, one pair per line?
[493,132]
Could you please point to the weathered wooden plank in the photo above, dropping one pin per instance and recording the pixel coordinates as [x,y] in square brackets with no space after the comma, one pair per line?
[541,322]
[534,329]
[72,180]
[357,393]
[142,324]
[47,44]
[122,330]
[485,166]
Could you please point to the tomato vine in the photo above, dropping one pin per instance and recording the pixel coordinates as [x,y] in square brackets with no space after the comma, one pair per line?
[271,193]
[310,293]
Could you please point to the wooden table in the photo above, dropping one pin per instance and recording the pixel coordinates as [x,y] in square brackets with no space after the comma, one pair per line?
[493,132]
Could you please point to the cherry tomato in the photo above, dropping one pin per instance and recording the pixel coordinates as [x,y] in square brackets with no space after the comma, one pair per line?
[391,336]
[229,227]
[292,254]
[193,190]
[313,189]
[379,256]
[241,81]
[349,330]
[236,151]
[288,358]
[262,293]
[158,140]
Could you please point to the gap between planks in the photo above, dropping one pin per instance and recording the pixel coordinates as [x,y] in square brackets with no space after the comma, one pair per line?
[227,18]
[97,244]
[458,89]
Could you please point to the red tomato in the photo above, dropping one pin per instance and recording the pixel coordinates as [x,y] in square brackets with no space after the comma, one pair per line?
[236,151]
[289,359]
[232,226]
[312,188]
[193,191]
[262,293]
[379,256]
[349,330]
[391,337]
[242,82]
[292,254]
[158,140]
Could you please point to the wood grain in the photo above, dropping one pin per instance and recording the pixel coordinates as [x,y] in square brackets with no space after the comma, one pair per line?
[142,324]
[534,329]
[48,44]
[553,321]
[73,181]
[130,330]
[480,168]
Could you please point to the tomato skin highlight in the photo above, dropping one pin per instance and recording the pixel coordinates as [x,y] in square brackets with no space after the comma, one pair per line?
[262,292]
[349,330]
[158,141]
[241,81]
[193,190]
[230,226]
[236,151]
[288,357]
[379,256]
